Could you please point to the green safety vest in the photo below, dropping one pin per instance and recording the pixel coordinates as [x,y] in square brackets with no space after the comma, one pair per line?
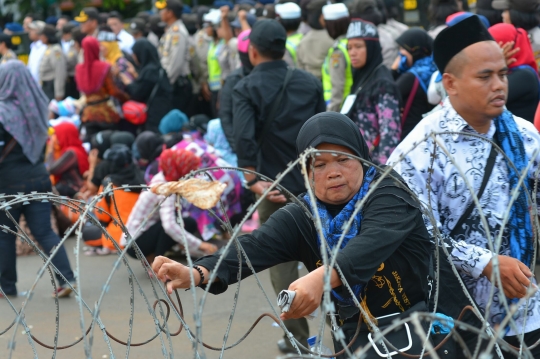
[214,69]
[292,44]
[327,81]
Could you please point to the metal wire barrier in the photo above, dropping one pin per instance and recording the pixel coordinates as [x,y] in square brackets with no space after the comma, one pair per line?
[161,306]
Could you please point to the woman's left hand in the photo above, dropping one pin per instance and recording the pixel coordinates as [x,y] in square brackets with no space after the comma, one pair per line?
[131,70]
[309,291]
[125,79]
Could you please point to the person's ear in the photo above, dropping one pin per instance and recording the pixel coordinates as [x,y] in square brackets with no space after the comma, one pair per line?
[450,82]
[321,21]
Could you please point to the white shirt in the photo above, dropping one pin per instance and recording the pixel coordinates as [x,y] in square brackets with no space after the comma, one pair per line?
[37,50]
[450,197]
[125,41]
[66,46]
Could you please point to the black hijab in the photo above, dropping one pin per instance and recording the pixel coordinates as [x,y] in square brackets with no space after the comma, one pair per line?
[373,61]
[417,42]
[147,54]
[122,170]
[334,128]
[102,142]
[149,145]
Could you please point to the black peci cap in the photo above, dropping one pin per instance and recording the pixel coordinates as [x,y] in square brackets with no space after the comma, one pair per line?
[268,34]
[454,39]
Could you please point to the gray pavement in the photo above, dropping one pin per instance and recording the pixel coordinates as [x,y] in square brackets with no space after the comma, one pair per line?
[115,313]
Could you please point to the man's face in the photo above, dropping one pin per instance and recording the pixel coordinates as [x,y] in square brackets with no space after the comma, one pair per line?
[88,27]
[33,35]
[60,24]
[27,20]
[115,24]
[481,88]
[165,15]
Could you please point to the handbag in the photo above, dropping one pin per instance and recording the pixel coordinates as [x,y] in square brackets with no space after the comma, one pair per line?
[136,112]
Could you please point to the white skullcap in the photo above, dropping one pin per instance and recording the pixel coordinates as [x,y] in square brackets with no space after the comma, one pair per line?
[335,11]
[288,11]
[213,16]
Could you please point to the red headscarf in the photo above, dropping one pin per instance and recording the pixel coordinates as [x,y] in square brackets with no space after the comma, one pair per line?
[91,73]
[505,33]
[67,136]
[177,163]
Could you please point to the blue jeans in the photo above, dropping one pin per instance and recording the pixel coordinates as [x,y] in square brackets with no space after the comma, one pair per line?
[38,217]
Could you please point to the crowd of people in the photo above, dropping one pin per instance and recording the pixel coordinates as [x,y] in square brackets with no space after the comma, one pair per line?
[105,103]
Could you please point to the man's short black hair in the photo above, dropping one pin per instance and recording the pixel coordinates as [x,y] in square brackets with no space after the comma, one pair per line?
[6,39]
[291,24]
[103,17]
[67,28]
[65,17]
[78,36]
[115,15]
[270,54]
[177,8]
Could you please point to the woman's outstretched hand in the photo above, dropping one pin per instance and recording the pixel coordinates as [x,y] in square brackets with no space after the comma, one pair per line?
[177,274]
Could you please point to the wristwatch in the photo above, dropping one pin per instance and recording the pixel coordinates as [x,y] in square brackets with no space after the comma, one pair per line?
[248,184]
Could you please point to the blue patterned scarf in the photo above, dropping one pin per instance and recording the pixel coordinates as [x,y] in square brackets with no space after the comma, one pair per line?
[519,224]
[423,69]
[333,227]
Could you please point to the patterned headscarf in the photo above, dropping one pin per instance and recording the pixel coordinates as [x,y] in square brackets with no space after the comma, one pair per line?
[177,163]
[23,109]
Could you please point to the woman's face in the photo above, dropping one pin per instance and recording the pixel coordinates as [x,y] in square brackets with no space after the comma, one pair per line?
[103,50]
[135,59]
[506,17]
[407,55]
[337,178]
[357,52]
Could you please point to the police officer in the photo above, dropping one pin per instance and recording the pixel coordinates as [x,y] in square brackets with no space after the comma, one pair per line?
[202,44]
[290,16]
[212,21]
[337,75]
[5,49]
[53,68]
[174,51]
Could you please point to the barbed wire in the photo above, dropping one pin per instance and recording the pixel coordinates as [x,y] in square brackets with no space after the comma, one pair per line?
[161,306]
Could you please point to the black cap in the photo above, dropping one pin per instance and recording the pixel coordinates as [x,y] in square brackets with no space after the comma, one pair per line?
[88,13]
[174,5]
[454,39]
[268,34]
[6,39]
[137,25]
[519,5]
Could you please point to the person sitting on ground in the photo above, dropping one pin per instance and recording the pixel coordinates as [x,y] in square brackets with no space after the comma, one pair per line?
[161,230]
[67,159]
[123,171]
[413,69]
[94,79]
[149,146]
[386,248]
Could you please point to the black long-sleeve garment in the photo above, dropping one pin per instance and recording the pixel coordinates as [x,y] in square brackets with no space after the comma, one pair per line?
[522,93]
[253,98]
[226,103]
[390,254]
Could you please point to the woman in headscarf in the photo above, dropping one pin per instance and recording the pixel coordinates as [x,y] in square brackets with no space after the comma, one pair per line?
[95,81]
[376,107]
[149,146]
[68,160]
[110,50]
[23,120]
[99,166]
[122,171]
[151,74]
[523,82]
[383,257]
[413,69]
[162,230]
[208,225]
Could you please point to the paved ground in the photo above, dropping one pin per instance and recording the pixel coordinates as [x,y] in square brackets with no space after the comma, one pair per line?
[115,313]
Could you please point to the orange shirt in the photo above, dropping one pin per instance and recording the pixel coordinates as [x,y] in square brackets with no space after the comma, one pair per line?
[125,201]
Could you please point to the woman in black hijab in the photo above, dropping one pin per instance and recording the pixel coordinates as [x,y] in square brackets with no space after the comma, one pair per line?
[376,108]
[151,74]
[412,70]
[385,253]
[149,146]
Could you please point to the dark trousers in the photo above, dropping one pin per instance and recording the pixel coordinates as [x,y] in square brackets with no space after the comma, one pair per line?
[282,276]
[214,103]
[38,217]
[71,88]
[48,89]
[182,94]
[155,241]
